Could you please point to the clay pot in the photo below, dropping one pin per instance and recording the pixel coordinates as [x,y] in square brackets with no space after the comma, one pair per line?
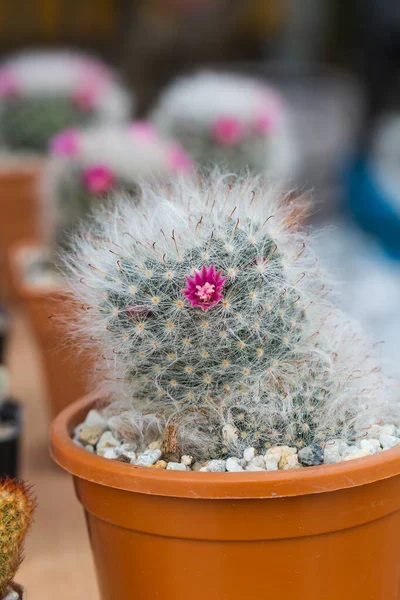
[323,532]
[20,212]
[66,372]
[47,308]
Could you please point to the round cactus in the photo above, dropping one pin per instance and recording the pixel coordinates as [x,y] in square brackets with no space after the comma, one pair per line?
[212,315]
[16,509]
[233,121]
[44,92]
[85,166]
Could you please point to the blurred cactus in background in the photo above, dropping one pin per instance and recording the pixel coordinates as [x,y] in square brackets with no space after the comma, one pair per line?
[86,166]
[44,92]
[17,505]
[211,312]
[229,120]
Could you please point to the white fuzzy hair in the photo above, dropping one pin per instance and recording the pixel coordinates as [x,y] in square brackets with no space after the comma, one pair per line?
[201,98]
[322,380]
[60,72]
[207,95]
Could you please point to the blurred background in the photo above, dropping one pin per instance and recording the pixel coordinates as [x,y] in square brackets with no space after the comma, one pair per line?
[335,65]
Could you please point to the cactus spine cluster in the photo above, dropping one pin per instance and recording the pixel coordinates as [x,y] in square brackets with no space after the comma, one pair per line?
[211,312]
[16,510]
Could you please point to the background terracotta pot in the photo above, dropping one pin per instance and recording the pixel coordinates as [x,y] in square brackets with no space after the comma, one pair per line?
[319,533]
[20,212]
[66,370]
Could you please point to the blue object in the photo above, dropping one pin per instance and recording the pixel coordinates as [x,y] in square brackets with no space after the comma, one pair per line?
[371,208]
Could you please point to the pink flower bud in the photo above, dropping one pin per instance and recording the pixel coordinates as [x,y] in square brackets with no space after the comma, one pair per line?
[179,160]
[265,122]
[9,87]
[85,97]
[98,179]
[143,130]
[65,143]
[227,131]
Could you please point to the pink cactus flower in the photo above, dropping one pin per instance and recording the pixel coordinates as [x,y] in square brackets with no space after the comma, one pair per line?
[93,78]
[204,289]
[98,179]
[143,130]
[65,143]
[179,160]
[227,131]
[270,109]
[9,87]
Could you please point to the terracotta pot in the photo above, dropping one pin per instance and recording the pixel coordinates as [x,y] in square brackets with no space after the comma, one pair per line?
[320,533]
[66,370]
[20,212]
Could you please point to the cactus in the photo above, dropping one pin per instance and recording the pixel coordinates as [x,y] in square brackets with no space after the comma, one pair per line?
[229,120]
[17,505]
[211,313]
[44,92]
[86,165]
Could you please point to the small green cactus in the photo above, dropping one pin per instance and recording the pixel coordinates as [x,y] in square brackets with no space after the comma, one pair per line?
[29,123]
[211,313]
[85,166]
[17,505]
[44,92]
[229,120]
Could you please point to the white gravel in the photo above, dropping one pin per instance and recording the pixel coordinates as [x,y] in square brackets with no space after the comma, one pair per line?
[379,438]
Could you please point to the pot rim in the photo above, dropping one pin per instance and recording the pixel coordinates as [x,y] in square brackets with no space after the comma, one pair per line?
[202,485]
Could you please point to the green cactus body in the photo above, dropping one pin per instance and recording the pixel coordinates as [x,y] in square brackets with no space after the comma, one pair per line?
[28,123]
[202,358]
[252,152]
[42,93]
